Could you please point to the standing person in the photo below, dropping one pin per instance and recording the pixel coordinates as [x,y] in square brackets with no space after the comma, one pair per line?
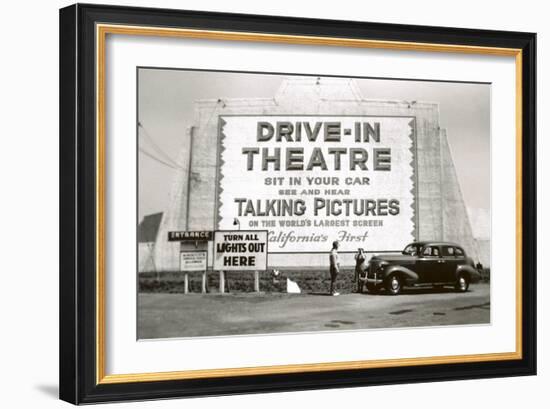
[479,266]
[360,266]
[334,267]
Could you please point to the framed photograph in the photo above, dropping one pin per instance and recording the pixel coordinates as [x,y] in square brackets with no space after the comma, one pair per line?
[257,203]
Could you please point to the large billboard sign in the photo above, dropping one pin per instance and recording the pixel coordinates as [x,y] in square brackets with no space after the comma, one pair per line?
[310,180]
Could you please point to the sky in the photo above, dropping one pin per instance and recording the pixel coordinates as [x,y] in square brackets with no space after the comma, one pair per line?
[166,109]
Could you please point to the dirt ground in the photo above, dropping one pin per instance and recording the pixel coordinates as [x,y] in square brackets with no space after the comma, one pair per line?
[190,315]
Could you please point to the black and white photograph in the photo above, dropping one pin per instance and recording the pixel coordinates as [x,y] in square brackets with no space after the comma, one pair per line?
[273,203]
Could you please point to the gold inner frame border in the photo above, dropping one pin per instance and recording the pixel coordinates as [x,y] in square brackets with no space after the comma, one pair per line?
[102,30]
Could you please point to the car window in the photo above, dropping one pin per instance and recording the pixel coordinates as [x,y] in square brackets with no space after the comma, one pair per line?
[449,251]
[411,249]
[459,252]
[430,251]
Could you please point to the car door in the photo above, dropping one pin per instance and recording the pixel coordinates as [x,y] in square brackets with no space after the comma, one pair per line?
[460,259]
[448,266]
[427,264]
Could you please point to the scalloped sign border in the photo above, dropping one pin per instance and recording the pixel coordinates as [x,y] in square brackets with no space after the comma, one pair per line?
[222,137]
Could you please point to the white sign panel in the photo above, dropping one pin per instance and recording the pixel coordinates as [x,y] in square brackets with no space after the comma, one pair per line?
[240,250]
[311,180]
[193,261]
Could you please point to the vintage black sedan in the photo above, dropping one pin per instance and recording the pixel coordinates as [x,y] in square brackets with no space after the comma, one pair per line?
[423,263]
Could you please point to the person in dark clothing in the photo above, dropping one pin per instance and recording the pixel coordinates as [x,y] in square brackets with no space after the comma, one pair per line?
[360,267]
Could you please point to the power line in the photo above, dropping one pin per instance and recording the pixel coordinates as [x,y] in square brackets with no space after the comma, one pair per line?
[157,149]
[157,159]
[168,161]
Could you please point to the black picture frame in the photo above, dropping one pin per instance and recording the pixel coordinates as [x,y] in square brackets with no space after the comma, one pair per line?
[78,194]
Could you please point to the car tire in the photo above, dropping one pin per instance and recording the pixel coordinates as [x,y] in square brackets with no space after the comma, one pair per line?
[462,283]
[394,285]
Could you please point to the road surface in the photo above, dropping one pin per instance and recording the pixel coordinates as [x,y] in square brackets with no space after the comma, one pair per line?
[180,315]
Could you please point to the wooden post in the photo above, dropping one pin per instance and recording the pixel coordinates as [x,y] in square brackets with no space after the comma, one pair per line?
[222,282]
[203,284]
[256,281]
[185,283]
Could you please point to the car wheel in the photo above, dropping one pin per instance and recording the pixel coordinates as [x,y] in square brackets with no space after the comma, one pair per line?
[394,285]
[462,283]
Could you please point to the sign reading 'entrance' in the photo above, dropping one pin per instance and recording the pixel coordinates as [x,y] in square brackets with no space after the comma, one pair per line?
[189,236]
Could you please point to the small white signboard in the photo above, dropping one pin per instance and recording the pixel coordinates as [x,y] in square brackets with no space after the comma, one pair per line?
[240,250]
[193,261]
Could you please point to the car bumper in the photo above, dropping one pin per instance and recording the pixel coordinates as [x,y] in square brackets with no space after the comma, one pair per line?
[475,278]
[375,281]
